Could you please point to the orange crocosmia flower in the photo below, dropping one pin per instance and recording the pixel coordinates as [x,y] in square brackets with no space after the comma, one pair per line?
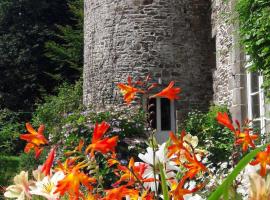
[34,139]
[169,92]
[67,166]
[102,145]
[262,158]
[120,193]
[72,181]
[178,144]
[224,119]
[193,166]
[100,130]
[128,91]
[178,192]
[246,140]
[46,168]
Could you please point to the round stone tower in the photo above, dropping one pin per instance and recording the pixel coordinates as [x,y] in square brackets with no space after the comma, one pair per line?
[168,39]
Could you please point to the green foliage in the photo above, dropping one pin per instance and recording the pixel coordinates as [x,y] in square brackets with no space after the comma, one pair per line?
[29,163]
[59,109]
[66,50]
[212,137]
[10,165]
[10,129]
[26,73]
[254,16]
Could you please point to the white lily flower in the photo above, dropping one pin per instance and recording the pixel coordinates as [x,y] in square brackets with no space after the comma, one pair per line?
[160,157]
[20,190]
[47,186]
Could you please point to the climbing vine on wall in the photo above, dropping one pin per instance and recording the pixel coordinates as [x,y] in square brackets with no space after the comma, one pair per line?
[254,17]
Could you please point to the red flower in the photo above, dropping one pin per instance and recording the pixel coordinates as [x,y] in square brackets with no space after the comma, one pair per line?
[262,158]
[34,139]
[194,166]
[102,145]
[178,144]
[224,119]
[178,192]
[46,168]
[128,91]
[169,92]
[72,181]
[246,140]
[120,193]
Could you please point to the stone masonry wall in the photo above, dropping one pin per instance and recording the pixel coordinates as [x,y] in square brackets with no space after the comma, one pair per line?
[169,39]
[229,76]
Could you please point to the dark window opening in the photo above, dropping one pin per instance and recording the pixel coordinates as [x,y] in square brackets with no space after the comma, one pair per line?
[165,107]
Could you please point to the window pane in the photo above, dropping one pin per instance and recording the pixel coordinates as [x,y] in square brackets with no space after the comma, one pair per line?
[267,110]
[267,131]
[255,106]
[165,105]
[254,82]
[152,105]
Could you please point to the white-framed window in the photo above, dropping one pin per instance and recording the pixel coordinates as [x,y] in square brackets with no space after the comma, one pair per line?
[162,114]
[258,109]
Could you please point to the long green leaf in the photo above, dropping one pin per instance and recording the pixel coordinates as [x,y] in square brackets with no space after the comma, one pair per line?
[232,176]
[163,182]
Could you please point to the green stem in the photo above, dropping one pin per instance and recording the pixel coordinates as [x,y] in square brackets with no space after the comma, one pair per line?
[163,182]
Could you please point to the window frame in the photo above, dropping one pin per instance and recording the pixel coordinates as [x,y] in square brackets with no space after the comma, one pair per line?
[262,105]
[163,135]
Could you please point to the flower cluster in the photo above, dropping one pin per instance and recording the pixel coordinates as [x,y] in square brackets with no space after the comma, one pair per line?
[173,170]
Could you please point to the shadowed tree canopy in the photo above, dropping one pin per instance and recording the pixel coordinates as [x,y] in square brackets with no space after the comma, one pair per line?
[26,72]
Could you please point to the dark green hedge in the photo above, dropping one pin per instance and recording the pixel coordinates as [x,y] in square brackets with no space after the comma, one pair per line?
[10,166]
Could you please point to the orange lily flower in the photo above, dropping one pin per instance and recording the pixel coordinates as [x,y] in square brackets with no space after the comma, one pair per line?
[72,181]
[102,145]
[169,92]
[46,168]
[194,166]
[178,192]
[224,119]
[128,90]
[120,193]
[246,140]
[34,139]
[67,166]
[262,158]
[132,173]
[77,149]
[178,144]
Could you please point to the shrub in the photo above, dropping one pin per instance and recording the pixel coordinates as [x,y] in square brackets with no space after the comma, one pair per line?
[10,165]
[53,112]
[213,137]
[9,132]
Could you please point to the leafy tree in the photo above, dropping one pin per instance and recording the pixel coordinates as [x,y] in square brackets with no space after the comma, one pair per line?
[66,52]
[25,26]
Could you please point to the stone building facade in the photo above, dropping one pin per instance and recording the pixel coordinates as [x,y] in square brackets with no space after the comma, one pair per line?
[168,39]
[193,42]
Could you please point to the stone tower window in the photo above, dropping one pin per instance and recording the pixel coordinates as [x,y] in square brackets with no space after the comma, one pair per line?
[258,109]
[162,116]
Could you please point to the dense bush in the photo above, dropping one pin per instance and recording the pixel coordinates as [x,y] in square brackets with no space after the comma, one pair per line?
[213,137]
[9,132]
[54,111]
[10,165]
